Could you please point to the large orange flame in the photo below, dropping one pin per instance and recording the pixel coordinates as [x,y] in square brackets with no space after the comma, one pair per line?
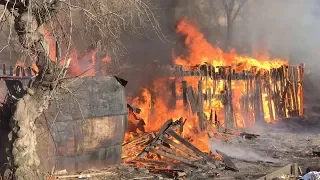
[154,102]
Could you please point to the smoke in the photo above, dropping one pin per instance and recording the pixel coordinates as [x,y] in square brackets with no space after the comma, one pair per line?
[238,152]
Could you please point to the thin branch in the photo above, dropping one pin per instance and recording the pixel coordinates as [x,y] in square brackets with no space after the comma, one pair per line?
[238,10]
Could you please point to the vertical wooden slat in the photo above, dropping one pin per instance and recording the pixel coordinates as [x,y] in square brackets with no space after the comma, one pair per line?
[23,72]
[201,112]
[209,97]
[98,66]
[184,94]
[300,88]
[230,99]
[4,71]
[173,98]
[29,71]
[259,115]
[58,51]
[11,71]
[18,69]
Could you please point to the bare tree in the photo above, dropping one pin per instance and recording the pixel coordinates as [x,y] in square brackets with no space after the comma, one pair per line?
[232,9]
[88,21]
[218,15]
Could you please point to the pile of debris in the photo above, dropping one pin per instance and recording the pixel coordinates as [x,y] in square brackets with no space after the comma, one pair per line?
[167,152]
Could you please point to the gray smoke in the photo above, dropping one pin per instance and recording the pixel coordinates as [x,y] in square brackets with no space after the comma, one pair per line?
[238,152]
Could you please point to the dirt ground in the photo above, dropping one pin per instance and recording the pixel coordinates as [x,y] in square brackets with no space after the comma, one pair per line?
[289,141]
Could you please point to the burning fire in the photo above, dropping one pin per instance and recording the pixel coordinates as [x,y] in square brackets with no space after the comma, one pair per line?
[154,103]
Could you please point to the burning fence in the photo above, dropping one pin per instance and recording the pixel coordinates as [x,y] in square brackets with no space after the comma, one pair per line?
[217,94]
[239,99]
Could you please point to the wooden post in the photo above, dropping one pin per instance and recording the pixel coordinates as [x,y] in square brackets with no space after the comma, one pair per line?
[301,91]
[201,113]
[29,71]
[184,94]
[18,71]
[269,94]
[153,102]
[209,97]
[294,87]
[58,51]
[98,65]
[214,82]
[230,101]
[11,71]
[23,72]
[4,69]
[258,105]
[173,99]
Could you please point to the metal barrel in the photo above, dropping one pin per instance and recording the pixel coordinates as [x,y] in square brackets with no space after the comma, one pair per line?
[87,126]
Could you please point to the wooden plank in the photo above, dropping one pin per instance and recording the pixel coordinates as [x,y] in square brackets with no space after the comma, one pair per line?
[181,148]
[191,146]
[171,156]
[164,127]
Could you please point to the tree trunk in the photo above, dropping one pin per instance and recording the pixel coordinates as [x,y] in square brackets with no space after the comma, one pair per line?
[22,155]
[229,33]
